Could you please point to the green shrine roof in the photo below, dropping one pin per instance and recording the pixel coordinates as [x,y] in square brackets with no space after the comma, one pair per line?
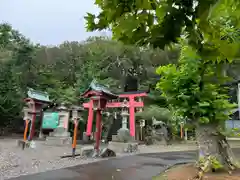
[100,88]
[38,95]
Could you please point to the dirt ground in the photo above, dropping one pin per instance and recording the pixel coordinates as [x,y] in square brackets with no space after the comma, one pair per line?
[189,172]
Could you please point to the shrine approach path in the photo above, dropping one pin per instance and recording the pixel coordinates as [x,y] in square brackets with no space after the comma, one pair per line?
[134,167]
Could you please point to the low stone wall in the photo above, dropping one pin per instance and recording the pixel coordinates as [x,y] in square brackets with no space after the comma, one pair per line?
[234,142]
[58,141]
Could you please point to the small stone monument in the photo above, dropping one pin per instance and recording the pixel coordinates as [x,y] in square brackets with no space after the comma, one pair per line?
[60,135]
[159,133]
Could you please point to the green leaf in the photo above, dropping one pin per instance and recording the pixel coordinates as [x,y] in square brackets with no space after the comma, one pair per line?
[204,120]
[161,11]
[204,104]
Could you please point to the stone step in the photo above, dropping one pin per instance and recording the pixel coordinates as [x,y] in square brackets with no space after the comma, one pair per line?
[233,138]
[63,134]
[58,141]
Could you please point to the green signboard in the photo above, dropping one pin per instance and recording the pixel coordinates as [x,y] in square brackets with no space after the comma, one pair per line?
[50,120]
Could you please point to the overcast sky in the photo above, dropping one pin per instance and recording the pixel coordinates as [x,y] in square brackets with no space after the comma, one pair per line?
[48,21]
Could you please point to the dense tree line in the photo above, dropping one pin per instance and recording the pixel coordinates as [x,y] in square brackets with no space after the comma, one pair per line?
[66,70]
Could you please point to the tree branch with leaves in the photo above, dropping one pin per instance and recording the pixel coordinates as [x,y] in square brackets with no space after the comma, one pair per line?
[208,34]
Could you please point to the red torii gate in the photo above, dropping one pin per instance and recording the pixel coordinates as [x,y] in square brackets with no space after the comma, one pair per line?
[131,104]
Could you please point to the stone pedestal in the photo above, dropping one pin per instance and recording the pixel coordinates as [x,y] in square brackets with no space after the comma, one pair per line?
[59,137]
[123,135]
[121,147]
[59,132]
[159,138]
[23,144]
[123,142]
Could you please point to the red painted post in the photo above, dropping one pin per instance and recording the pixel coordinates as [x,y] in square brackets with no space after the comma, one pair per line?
[33,126]
[132,116]
[98,130]
[90,118]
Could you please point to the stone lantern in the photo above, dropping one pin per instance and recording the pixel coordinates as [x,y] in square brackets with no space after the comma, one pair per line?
[27,114]
[62,128]
[63,112]
[123,134]
[124,114]
[76,113]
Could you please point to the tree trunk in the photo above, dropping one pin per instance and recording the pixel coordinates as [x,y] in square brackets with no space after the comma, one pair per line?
[214,150]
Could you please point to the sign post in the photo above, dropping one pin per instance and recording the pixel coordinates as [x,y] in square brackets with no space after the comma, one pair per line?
[25,130]
[142,124]
[76,113]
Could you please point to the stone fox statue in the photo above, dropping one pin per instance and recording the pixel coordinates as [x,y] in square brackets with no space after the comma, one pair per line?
[162,131]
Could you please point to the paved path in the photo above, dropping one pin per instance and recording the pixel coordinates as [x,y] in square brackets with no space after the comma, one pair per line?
[136,167]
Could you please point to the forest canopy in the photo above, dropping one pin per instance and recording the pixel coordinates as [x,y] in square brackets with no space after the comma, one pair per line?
[66,70]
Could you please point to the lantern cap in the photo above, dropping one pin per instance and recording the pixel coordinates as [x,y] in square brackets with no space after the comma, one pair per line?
[97,89]
[38,95]
[76,112]
[76,108]
[62,107]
